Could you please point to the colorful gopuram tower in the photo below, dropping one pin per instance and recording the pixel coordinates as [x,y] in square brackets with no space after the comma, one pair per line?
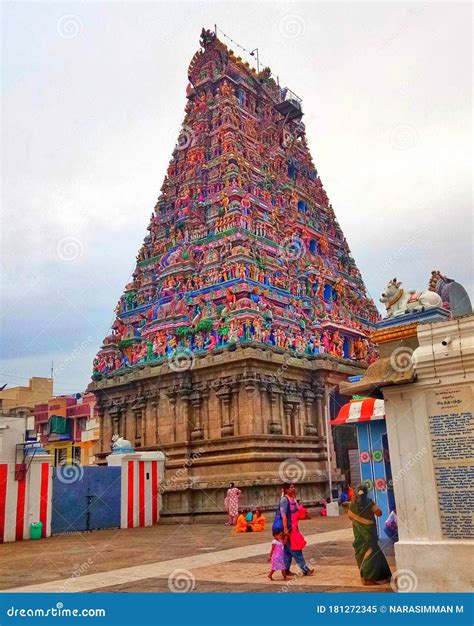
[246,308]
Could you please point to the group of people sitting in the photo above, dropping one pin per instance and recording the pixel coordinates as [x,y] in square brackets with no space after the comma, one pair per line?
[250,521]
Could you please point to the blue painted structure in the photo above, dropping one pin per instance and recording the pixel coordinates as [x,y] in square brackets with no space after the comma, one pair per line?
[375,468]
[85,498]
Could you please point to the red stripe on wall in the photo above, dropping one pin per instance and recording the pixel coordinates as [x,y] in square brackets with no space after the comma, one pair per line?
[154,491]
[141,494]
[3,498]
[130,494]
[20,509]
[44,496]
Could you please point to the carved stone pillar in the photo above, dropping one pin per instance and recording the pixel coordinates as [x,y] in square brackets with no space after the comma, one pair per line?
[137,426]
[196,429]
[172,397]
[225,395]
[309,428]
[250,383]
[288,412]
[184,392]
[274,393]
[234,415]
[154,404]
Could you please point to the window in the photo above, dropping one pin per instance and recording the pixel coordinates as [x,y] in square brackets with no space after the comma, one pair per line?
[76,455]
[60,456]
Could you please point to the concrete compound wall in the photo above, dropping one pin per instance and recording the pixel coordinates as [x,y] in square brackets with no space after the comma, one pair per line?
[26,501]
[23,502]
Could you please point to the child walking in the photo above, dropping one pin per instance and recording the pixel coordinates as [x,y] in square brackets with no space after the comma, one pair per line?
[276,556]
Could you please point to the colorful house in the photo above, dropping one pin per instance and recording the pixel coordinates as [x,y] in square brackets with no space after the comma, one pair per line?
[68,428]
[368,416]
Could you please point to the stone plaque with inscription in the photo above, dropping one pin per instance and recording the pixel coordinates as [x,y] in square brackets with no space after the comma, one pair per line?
[451,425]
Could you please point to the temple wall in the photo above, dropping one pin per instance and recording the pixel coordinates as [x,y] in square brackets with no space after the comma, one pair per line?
[220,422]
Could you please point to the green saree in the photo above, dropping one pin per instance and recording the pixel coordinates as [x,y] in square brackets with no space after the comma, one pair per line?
[371,560]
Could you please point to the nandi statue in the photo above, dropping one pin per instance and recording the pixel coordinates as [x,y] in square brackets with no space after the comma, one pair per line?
[121,445]
[398,301]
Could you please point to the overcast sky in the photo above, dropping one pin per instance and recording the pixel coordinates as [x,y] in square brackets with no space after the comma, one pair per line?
[93,97]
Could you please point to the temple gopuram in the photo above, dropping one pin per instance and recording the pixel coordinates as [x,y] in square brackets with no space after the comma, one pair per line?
[245,309]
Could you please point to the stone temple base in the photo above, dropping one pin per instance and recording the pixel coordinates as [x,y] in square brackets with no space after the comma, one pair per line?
[257,465]
[253,416]
[428,566]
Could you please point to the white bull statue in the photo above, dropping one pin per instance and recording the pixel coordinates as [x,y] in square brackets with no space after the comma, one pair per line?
[398,301]
[119,443]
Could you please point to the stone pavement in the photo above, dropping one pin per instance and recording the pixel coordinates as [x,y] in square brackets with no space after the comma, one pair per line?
[191,557]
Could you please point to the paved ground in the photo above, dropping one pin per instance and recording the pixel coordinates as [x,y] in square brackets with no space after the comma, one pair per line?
[200,557]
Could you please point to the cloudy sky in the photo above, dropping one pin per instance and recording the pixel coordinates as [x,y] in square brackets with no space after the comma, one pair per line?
[93,98]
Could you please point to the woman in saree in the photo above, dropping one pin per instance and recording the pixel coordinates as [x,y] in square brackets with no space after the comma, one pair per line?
[241,525]
[258,521]
[373,566]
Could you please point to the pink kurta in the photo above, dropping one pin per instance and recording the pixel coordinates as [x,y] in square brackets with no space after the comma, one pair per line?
[233,501]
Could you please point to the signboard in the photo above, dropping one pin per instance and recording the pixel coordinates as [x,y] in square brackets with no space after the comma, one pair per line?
[451,425]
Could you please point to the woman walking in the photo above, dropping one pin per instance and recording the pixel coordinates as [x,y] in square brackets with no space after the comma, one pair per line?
[373,566]
[231,503]
[294,540]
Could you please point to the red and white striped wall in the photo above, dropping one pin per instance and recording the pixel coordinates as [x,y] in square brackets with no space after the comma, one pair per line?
[23,502]
[142,473]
